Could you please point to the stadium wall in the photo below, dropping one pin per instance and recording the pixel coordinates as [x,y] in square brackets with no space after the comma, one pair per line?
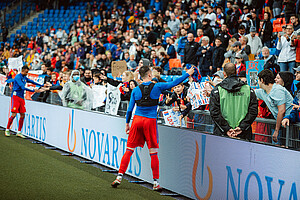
[193,164]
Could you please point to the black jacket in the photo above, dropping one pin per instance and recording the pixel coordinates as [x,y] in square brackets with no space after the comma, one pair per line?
[190,50]
[207,31]
[218,57]
[272,65]
[225,37]
[205,59]
[232,84]
[267,33]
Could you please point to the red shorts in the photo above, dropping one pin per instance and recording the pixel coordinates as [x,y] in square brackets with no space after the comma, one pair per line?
[17,104]
[143,130]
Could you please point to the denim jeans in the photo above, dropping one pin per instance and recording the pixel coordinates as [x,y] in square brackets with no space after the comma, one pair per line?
[287,66]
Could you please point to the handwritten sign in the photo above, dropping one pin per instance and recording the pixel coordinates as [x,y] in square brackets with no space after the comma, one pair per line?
[118,67]
[15,63]
[197,95]
[172,118]
[99,95]
[2,84]
[252,70]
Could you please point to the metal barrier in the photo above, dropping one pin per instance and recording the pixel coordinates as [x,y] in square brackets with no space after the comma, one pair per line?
[200,120]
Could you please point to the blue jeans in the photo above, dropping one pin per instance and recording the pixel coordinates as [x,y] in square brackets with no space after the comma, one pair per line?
[287,66]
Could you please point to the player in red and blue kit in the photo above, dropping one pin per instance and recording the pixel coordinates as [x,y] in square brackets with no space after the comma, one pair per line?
[144,125]
[17,99]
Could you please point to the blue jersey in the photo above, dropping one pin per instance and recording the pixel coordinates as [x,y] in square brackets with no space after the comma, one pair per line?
[19,83]
[151,111]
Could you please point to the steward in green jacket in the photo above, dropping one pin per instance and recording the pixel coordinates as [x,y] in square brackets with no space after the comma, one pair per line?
[233,106]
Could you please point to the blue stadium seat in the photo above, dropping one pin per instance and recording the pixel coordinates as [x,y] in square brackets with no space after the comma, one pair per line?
[18,32]
[41,15]
[61,15]
[23,27]
[34,24]
[46,11]
[29,27]
[55,15]
[45,15]
[51,11]
[66,15]
[35,19]
[50,15]
[46,20]
[12,35]
[29,24]
[56,12]
[72,7]
[61,11]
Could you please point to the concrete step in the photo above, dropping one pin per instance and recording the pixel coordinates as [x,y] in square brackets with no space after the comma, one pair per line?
[24,23]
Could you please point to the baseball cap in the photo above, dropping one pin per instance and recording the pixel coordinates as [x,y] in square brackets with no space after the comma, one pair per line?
[297,69]
[252,29]
[219,74]
[236,44]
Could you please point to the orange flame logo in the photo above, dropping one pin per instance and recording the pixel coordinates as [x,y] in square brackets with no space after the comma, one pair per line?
[210,186]
[70,132]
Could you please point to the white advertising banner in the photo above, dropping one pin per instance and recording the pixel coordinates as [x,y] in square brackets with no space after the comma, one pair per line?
[193,164]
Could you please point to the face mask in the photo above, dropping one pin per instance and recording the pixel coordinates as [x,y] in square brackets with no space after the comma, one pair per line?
[217,80]
[76,78]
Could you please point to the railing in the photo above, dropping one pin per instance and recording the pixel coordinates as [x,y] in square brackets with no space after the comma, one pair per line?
[200,120]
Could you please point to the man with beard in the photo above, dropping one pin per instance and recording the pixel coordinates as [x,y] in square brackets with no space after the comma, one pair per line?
[87,77]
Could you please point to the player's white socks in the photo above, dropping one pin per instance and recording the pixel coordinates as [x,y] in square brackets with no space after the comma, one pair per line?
[6,129]
[119,176]
[155,183]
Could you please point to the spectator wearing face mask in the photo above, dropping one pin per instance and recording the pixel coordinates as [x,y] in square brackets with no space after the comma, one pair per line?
[74,92]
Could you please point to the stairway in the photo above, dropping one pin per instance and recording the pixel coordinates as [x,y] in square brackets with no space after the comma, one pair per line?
[24,23]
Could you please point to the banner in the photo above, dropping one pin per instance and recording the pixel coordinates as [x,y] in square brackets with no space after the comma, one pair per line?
[193,164]
[36,78]
[99,95]
[113,99]
[197,96]
[252,70]
[172,118]
[15,63]
[2,84]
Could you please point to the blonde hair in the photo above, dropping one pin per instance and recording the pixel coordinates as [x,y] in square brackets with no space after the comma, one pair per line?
[233,40]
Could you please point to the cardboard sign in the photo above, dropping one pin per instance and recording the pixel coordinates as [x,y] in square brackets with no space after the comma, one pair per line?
[2,84]
[118,67]
[252,70]
[172,118]
[196,94]
[15,63]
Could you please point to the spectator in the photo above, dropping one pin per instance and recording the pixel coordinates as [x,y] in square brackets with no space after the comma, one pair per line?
[224,35]
[254,42]
[199,35]
[233,114]
[245,47]
[211,16]
[241,32]
[173,24]
[285,79]
[74,93]
[267,30]
[207,30]
[270,61]
[236,49]
[294,116]
[131,63]
[277,98]
[218,55]
[96,19]
[190,50]
[87,77]
[151,36]
[287,56]
[204,55]
[170,49]
[277,6]
[295,22]
[239,65]
[296,44]
[195,23]
[163,62]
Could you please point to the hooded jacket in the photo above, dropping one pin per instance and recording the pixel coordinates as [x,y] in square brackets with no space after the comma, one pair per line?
[233,104]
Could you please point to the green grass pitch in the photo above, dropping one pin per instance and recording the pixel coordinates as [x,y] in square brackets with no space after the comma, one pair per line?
[29,171]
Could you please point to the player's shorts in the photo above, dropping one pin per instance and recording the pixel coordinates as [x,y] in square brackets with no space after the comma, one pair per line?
[17,104]
[143,130]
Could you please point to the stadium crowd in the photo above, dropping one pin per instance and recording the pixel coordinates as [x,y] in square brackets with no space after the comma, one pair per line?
[205,34]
